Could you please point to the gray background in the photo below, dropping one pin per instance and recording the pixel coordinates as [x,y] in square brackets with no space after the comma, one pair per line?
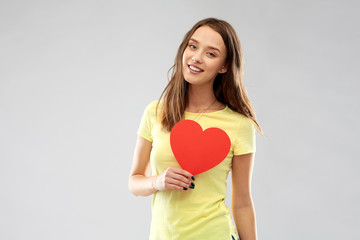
[75,77]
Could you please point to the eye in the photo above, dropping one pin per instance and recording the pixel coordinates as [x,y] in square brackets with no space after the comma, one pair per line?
[192,46]
[211,54]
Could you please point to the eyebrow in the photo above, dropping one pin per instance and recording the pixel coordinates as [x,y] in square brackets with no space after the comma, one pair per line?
[210,47]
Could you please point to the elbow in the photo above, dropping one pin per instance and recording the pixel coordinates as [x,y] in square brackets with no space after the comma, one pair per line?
[240,203]
[131,188]
[139,185]
[134,193]
[235,207]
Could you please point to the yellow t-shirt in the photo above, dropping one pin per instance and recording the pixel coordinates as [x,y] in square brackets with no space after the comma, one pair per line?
[198,213]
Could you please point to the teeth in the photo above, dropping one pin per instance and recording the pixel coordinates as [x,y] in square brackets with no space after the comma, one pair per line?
[194,68]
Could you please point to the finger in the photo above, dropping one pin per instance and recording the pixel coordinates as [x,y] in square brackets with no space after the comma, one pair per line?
[177,173]
[183,172]
[178,183]
[173,187]
[181,178]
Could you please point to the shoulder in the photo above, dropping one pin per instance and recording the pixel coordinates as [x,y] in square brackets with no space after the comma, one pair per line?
[242,133]
[239,121]
[237,116]
[152,104]
[152,109]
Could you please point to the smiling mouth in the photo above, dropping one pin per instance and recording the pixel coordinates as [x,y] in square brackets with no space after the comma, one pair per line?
[195,69]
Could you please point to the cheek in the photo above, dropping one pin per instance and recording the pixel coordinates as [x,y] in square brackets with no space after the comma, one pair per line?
[185,56]
[183,61]
[220,64]
[215,66]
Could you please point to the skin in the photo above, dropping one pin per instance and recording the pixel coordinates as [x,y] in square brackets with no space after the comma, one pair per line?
[241,203]
[201,96]
[201,53]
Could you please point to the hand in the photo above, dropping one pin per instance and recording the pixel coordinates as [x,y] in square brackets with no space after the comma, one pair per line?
[174,178]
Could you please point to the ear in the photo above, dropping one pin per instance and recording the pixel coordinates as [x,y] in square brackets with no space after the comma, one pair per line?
[223,69]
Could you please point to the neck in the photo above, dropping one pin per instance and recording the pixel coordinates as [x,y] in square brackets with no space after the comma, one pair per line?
[201,98]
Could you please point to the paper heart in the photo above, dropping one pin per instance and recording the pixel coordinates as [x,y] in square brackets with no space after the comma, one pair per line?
[196,150]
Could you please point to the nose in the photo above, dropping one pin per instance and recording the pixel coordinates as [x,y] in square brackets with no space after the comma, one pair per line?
[196,58]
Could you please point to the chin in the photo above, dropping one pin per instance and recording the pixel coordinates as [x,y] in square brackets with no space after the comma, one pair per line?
[190,79]
[195,82]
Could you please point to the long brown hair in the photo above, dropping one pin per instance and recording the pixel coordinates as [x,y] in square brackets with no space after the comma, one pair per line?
[228,87]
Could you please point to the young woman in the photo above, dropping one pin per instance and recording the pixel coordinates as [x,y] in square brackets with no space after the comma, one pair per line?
[206,86]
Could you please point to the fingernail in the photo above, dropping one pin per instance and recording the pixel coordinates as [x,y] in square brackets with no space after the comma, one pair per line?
[185,188]
[191,186]
[192,177]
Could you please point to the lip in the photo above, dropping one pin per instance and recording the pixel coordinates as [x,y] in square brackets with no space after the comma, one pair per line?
[196,67]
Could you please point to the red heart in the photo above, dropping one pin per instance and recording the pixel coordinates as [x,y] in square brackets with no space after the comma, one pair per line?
[196,150]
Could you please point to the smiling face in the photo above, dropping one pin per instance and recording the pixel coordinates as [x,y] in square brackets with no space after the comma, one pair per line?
[204,57]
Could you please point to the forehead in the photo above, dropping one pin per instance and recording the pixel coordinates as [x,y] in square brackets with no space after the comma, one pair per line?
[205,35]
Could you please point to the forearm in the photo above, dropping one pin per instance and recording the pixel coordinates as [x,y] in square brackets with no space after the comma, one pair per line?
[245,221]
[141,185]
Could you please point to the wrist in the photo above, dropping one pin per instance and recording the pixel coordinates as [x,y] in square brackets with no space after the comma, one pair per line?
[154,185]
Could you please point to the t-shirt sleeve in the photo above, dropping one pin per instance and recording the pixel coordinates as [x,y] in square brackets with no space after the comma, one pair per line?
[245,140]
[145,127]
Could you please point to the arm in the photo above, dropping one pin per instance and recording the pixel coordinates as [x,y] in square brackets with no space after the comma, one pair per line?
[241,204]
[140,181]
